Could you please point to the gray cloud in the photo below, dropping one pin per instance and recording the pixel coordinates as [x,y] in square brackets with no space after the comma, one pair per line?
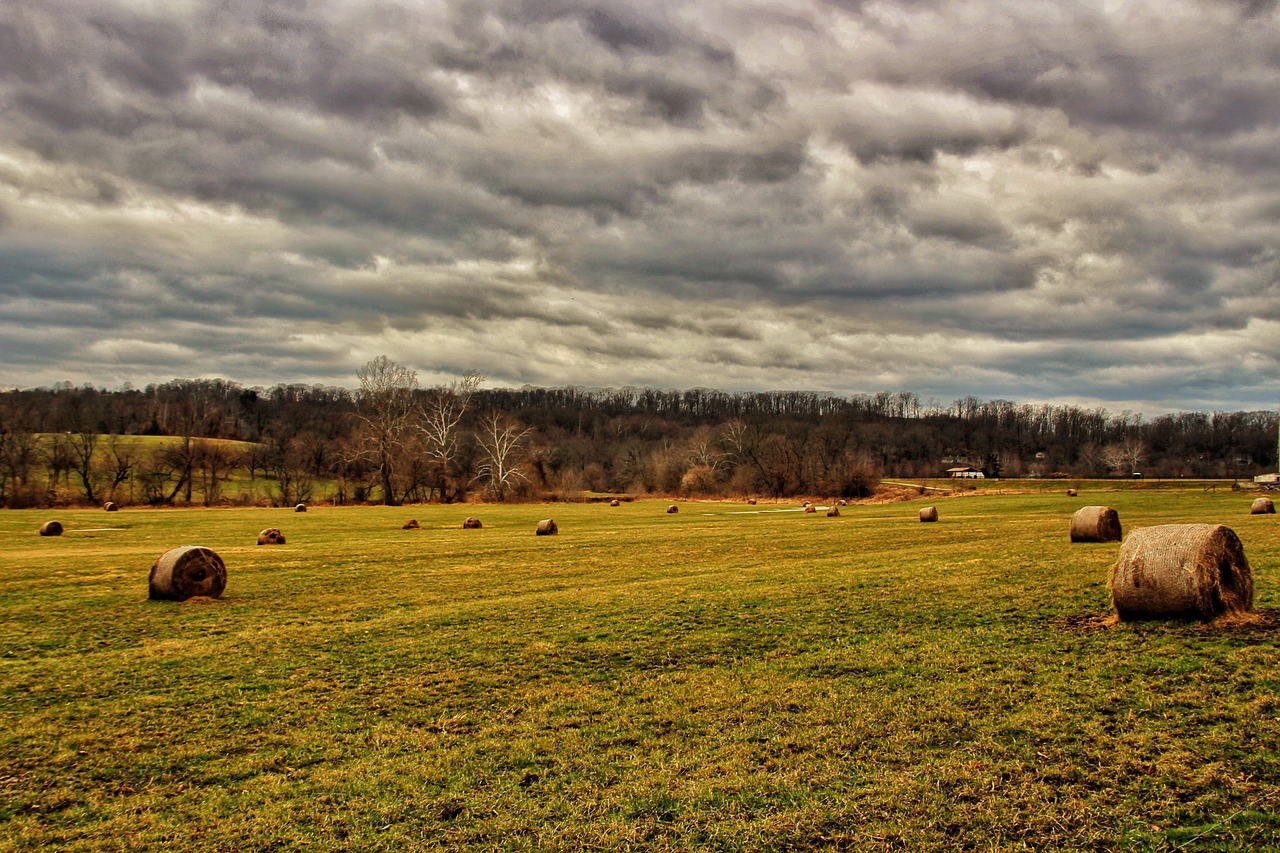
[1028,201]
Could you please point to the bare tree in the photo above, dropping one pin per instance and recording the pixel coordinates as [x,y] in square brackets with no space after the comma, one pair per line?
[439,425]
[499,441]
[388,413]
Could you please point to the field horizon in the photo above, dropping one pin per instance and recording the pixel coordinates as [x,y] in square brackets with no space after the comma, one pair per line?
[726,677]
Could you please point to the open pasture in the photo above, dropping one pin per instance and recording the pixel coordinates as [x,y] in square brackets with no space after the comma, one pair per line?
[724,678]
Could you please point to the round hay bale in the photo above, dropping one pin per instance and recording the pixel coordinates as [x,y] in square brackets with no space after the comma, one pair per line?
[751,501]
[411,524]
[614,502]
[1071,493]
[929,513]
[471,524]
[110,506]
[1262,506]
[1095,524]
[672,508]
[271,536]
[833,512]
[842,502]
[187,572]
[547,527]
[1181,571]
[51,528]
[807,503]
[300,508]
[810,508]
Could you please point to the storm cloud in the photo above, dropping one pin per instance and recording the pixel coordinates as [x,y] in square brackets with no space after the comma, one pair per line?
[1037,201]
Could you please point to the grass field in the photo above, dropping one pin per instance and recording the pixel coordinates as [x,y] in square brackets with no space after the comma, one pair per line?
[718,679]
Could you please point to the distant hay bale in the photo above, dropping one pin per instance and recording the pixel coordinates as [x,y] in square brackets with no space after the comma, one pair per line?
[929,513]
[187,572]
[751,501]
[1096,524]
[1071,493]
[547,527]
[672,508]
[1262,506]
[833,512]
[807,503]
[411,524]
[271,536]
[1181,571]
[110,506]
[300,508]
[614,502]
[810,508]
[51,528]
[471,524]
[842,502]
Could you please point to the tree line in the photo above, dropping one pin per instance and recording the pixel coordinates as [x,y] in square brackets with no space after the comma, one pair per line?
[391,441]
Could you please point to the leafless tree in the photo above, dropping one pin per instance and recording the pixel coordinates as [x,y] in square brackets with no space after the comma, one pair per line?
[500,447]
[439,426]
[388,415]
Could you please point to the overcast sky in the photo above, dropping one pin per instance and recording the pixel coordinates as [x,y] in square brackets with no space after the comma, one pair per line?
[1036,201]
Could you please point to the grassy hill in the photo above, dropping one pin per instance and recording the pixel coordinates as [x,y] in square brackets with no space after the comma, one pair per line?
[724,678]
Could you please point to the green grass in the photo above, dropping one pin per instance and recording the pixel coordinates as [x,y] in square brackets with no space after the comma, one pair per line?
[718,679]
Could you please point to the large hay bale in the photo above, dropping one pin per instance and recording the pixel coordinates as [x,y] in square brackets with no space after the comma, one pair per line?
[51,528]
[672,508]
[810,508]
[833,512]
[110,506]
[1181,571]
[614,502]
[1262,506]
[471,524]
[271,536]
[187,572]
[300,508]
[411,524]
[547,527]
[929,513]
[1096,524]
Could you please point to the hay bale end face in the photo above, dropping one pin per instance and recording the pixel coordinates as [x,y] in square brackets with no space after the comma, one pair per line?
[271,536]
[614,502]
[547,527]
[673,508]
[1096,524]
[929,513]
[1262,506]
[833,512]
[110,506]
[471,524]
[411,524]
[51,528]
[187,572]
[1181,571]
[300,508]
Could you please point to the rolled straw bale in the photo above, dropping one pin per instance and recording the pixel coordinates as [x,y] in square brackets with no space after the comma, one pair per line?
[929,513]
[51,528]
[110,506]
[1095,524]
[1181,571]
[1071,493]
[1262,506]
[751,501]
[547,527]
[471,524]
[300,508]
[614,502]
[842,502]
[411,524]
[271,536]
[833,512]
[807,503]
[810,508]
[186,572]
[673,508]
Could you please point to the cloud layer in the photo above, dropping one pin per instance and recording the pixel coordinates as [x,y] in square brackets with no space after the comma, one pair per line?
[1038,201]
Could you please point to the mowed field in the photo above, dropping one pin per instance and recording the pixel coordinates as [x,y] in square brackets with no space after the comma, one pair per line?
[725,678]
